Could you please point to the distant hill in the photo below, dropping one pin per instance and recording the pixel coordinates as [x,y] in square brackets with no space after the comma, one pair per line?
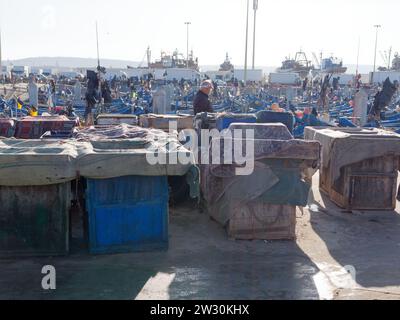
[363,69]
[70,62]
[265,69]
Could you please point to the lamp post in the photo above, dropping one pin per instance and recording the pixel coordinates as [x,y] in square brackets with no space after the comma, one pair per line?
[187,43]
[377,26]
[255,8]
[247,38]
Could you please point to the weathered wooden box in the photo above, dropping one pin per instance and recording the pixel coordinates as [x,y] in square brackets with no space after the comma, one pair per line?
[116,119]
[359,166]
[163,122]
[257,220]
[34,220]
[367,185]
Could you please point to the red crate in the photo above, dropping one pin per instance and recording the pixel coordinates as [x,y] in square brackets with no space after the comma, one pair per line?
[7,128]
[35,127]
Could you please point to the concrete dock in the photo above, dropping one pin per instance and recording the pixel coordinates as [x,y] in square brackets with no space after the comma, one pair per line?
[337,255]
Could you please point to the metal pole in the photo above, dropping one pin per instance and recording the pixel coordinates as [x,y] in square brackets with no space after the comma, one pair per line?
[255,8]
[1,66]
[187,44]
[247,36]
[376,46]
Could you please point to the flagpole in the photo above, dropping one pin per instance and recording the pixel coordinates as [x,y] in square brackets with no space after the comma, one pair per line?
[16,107]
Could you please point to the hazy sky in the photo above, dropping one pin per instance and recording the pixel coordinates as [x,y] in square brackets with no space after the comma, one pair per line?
[126,27]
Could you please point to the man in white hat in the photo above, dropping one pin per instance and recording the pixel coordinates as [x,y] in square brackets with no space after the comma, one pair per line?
[201,103]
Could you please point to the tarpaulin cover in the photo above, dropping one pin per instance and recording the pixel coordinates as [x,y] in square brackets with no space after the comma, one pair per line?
[36,162]
[96,153]
[123,131]
[280,168]
[124,150]
[273,181]
[273,131]
[291,189]
[272,149]
[345,146]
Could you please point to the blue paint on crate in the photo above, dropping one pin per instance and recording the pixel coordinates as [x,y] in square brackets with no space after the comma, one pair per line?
[223,122]
[127,214]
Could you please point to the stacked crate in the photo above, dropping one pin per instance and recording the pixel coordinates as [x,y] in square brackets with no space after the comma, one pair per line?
[162,122]
[7,128]
[35,196]
[35,127]
[360,166]
[261,205]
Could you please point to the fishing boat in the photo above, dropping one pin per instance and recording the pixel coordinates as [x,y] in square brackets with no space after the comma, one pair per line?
[300,64]
[227,65]
[176,60]
[332,65]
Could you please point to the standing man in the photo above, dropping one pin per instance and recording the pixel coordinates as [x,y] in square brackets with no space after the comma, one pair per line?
[92,96]
[201,103]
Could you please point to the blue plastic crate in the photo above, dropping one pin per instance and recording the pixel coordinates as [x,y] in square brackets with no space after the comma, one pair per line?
[127,214]
[224,121]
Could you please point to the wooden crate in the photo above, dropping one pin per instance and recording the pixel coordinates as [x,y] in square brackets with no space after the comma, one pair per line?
[162,122]
[34,220]
[367,185]
[257,220]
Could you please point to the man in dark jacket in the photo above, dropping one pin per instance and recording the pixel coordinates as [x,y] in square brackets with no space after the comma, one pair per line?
[201,102]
